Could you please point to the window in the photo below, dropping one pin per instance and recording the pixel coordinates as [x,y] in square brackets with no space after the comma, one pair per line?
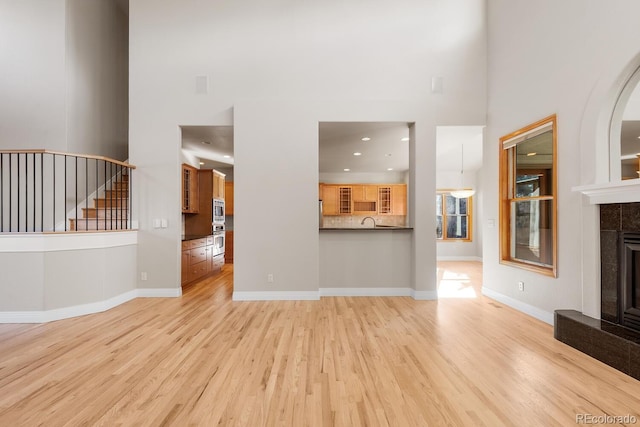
[528,203]
[453,217]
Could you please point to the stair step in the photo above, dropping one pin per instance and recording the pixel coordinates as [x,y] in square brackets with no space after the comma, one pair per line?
[100,224]
[102,202]
[105,213]
[120,185]
[109,194]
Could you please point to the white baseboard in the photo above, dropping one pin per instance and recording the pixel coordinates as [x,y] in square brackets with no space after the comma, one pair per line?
[460,258]
[159,293]
[424,295]
[43,316]
[276,296]
[334,292]
[366,292]
[539,314]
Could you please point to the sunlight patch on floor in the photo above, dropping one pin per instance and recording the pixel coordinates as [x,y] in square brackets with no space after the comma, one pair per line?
[454,285]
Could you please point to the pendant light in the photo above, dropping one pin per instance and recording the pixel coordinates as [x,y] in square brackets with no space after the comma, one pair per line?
[461,193]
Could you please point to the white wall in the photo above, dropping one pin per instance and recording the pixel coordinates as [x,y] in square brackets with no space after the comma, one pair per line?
[32,74]
[562,58]
[364,178]
[64,76]
[283,73]
[97,78]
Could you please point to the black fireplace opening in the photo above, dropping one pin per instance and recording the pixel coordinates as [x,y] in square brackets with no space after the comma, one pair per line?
[629,283]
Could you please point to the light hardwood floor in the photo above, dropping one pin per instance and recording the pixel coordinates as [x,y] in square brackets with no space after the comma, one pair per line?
[383,361]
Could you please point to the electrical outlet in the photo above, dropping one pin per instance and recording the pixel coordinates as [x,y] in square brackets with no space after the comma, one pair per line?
[270,278]
[143,275]
[521,286]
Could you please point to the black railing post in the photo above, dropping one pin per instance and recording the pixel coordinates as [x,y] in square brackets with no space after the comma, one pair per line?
[18,193]
[104,208]
[86,192]
[1,192]
[34,190]
[119,198]
[130,192]
[75,203]
[110,199]
[41,192]
[96,193]
[54,193]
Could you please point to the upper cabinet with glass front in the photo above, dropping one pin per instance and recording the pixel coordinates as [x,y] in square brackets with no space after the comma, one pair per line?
[528,198]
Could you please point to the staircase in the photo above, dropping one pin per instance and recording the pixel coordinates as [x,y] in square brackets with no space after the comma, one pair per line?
[109,212]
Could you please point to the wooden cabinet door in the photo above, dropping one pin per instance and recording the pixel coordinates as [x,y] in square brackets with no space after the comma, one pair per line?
[190,189]
[330,200]
[218,185]
[185,266]
[364,193]
[228,197]
[345,200]
[228,247]
[399,197]
[385,203]
[365,199]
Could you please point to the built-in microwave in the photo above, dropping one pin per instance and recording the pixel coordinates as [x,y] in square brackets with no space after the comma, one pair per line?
[218,211]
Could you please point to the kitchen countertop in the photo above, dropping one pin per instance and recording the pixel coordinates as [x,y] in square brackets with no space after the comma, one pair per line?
[194,236]
[378,228]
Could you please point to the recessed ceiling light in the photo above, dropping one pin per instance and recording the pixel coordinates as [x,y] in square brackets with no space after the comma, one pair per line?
[226,156]
[531,154]
[202,163]
[366,138]
[639,137]
[206,142]
[346,169]
[357,154]
[406,138]
[389,169]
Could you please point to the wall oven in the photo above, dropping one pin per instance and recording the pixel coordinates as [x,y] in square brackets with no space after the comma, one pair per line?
[218,240]
[218,211]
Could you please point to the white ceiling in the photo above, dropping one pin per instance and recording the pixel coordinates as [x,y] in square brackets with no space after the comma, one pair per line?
[339,140]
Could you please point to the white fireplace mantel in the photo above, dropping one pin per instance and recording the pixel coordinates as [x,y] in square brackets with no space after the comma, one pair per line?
[611,192]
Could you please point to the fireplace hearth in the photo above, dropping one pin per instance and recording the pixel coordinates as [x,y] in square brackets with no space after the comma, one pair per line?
[614,338]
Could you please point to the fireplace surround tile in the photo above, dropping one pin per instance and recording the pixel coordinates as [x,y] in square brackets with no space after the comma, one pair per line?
[634,361]
[611,217]
[609,275]
[631,216]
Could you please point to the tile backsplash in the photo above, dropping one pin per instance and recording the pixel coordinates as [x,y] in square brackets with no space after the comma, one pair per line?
[354,221]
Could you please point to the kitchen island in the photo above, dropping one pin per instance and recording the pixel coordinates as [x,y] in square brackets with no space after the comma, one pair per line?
[367,261]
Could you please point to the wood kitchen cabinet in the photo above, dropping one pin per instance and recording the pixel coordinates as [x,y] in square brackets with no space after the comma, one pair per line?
[329,199]
[200,223]
[228,197]
[196,256]
[190,189]
[399,199]
[198,260]
[228,247]
[365,193]
[392,199]
[363,199]
[218,185]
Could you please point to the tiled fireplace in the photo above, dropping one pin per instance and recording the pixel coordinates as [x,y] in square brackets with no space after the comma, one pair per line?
[615,339]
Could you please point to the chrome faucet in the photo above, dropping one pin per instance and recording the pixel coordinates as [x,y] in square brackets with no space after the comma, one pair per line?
[367,217]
